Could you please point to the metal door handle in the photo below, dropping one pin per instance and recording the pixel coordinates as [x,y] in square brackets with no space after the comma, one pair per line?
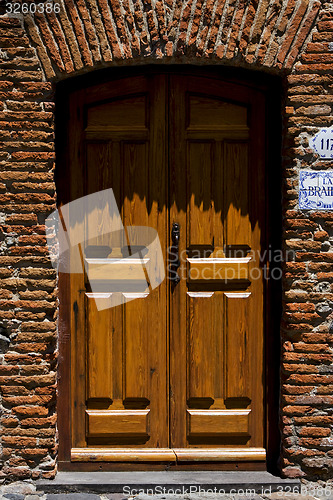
[174,254]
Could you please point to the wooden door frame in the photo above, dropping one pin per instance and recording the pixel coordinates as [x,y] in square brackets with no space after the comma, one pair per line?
[267,84]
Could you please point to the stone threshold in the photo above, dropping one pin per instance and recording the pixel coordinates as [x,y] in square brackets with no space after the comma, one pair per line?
[115,482]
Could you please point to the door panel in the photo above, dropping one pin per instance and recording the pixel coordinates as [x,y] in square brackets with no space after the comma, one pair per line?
[177,373]
[205,348]
[126,360]
[217,309]
[238,362]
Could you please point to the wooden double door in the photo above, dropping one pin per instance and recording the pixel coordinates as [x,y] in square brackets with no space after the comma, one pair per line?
[176,374]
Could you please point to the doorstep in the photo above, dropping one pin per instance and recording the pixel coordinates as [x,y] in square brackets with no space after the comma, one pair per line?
[114,482]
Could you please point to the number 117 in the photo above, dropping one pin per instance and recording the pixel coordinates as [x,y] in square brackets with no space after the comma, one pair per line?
[325,144]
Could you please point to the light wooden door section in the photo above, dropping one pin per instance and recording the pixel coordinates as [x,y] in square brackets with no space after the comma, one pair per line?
[176,375]
[216,369]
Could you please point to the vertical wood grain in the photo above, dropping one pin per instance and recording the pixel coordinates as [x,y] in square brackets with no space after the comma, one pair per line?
[237,345]
[205,347]
[99,351]
[236,185]
[136,362]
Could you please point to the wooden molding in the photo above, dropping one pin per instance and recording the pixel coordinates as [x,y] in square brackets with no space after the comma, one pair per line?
[219,454]
[167,454]
[115,422]
[122,455]
[219,422]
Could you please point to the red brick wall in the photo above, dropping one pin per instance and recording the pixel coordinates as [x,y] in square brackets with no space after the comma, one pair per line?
[293,39]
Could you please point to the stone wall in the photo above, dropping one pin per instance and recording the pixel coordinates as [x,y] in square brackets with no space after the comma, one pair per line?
[289,38]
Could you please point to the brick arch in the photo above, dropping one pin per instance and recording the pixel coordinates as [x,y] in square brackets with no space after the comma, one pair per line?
[95,33]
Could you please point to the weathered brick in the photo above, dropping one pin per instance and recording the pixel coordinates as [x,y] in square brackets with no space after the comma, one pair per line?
[30,411]
[314,431]
[21,219]
[9,422]
[9,369]
[39,422]
[296,410]
[18,441]
[325,25]
[27,400]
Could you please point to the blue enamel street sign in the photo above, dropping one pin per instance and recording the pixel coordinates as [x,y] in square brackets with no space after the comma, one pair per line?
[316,190]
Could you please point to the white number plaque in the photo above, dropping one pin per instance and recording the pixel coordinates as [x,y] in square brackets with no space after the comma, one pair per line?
[322,143]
